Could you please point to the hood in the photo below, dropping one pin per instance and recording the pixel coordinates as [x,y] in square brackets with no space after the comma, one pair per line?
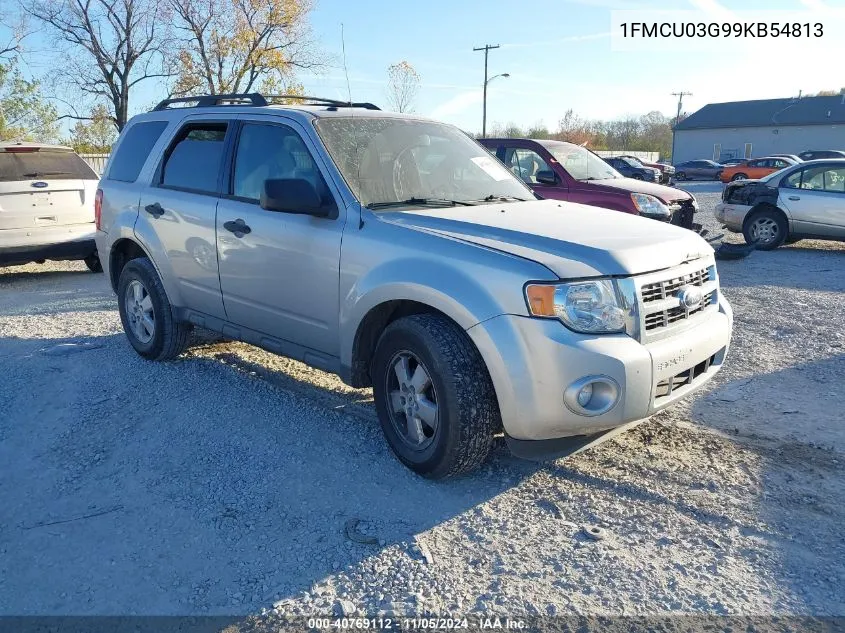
[632,185]
[571,240]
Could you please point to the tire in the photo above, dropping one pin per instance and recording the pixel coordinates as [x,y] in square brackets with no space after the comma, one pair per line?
[767,227]
[140,294]
[739,177]
[93,263]
[680,176]
[466,413]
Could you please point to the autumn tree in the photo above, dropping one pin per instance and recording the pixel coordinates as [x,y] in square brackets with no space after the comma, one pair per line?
[403,85]
[111,46]
[237,46]
[95,135]
[24,112]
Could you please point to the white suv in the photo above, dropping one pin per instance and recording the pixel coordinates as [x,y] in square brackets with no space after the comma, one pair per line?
[47,197]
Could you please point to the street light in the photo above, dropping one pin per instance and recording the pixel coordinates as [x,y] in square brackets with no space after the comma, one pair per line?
[487,81]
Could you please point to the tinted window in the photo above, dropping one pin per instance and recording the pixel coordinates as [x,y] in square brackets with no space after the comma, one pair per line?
[193,160]
[273,151]
[45,165]
[133,150]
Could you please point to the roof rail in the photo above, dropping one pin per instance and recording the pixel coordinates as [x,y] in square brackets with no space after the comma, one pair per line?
[321,101]
[204,101]
[256,99]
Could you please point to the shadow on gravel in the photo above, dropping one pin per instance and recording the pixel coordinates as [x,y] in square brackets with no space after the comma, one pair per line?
[10,276]
[130,486]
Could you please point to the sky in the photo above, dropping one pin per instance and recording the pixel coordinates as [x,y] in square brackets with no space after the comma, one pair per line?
[559,54]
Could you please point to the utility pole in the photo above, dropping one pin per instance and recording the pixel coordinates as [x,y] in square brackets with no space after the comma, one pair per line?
[486,48]
[680,96]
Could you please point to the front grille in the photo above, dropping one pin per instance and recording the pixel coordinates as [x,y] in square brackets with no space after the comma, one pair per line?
[665,318]
[665,387]
[666,288]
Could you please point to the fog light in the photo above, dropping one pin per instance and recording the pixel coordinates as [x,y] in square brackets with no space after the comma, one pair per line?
[592,395]
[585,394]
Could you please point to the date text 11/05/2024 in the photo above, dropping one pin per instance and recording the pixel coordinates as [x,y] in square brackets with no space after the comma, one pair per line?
[410,624]
[721,29]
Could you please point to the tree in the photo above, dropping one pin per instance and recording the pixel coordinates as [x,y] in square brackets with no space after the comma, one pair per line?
[233,46]
[111,46]
[539,131]
[403,84]
[13,29]
[24,113]
[95,136]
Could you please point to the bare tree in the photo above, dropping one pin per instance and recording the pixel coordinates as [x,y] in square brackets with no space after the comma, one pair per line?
[111,45]
[235,46]
[403,84]
[13,30]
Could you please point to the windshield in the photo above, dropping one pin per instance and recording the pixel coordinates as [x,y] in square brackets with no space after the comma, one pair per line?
[392,160]
[634,162]
[582,164]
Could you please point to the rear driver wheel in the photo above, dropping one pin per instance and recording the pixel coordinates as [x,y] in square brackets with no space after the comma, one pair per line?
[147,315]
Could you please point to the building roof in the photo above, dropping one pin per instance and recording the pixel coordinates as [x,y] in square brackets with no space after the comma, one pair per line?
[768,113]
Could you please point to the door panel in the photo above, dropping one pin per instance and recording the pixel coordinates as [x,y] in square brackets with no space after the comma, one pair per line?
[816,202]
[281,278]
[183,221]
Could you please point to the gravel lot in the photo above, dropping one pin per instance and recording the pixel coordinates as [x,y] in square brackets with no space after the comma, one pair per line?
[233,480]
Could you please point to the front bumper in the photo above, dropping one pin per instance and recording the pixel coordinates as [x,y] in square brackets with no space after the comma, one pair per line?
[532,362]
[731,216]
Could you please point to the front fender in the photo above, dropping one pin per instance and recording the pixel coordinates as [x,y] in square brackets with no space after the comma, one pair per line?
[149,240]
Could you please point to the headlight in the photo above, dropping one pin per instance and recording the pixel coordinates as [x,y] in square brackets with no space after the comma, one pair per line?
[589,307]
[649,205]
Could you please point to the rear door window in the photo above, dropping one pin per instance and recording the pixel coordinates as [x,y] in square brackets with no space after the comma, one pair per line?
[43,164]
[133,150]
[194,158]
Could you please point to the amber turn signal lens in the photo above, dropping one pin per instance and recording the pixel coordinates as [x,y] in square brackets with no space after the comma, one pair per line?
[541,299]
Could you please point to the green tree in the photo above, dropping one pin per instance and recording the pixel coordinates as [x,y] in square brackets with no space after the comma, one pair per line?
[232,46]
[24,112]
[94,136]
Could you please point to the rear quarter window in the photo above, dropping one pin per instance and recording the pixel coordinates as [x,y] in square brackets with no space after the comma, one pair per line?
[44,165]
[133,150]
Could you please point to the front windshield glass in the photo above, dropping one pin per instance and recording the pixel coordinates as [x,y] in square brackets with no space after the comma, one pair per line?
[634,162]
[391,160]
[582,164]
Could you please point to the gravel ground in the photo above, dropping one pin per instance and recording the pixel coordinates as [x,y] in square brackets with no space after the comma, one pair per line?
[236,482]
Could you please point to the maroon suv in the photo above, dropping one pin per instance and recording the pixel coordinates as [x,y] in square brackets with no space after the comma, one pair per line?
[563,171]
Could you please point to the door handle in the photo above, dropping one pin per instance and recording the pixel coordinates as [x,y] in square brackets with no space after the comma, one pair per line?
[794,197]
[154,209]
[238,227]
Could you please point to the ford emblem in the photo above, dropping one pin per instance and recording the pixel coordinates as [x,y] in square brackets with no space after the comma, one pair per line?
[39,184]
[690,297]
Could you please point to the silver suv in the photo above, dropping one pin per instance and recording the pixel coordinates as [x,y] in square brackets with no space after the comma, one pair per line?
[400,254]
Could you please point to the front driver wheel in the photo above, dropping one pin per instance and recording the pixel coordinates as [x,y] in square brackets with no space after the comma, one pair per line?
[147,315]
[433,396]
[767,228]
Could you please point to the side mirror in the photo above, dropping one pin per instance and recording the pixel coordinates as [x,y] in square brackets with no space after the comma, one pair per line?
[546,177]
[292,195]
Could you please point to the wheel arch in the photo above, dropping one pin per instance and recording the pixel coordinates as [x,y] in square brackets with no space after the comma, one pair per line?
[122,252]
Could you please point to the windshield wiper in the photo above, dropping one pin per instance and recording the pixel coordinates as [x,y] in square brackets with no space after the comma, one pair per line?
[38,174]
[495,198]
[420,202]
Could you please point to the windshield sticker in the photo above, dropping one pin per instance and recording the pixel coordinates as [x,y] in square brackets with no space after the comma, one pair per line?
[495,170]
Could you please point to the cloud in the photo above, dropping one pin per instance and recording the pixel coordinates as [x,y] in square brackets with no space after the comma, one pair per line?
[457,105]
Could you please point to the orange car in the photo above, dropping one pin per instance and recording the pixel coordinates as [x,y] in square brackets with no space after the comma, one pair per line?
[755,168]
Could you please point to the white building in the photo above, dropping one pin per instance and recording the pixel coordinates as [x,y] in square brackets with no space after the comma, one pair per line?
[752,129]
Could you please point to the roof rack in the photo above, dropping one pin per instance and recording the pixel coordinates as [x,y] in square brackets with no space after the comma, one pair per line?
[256,99]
